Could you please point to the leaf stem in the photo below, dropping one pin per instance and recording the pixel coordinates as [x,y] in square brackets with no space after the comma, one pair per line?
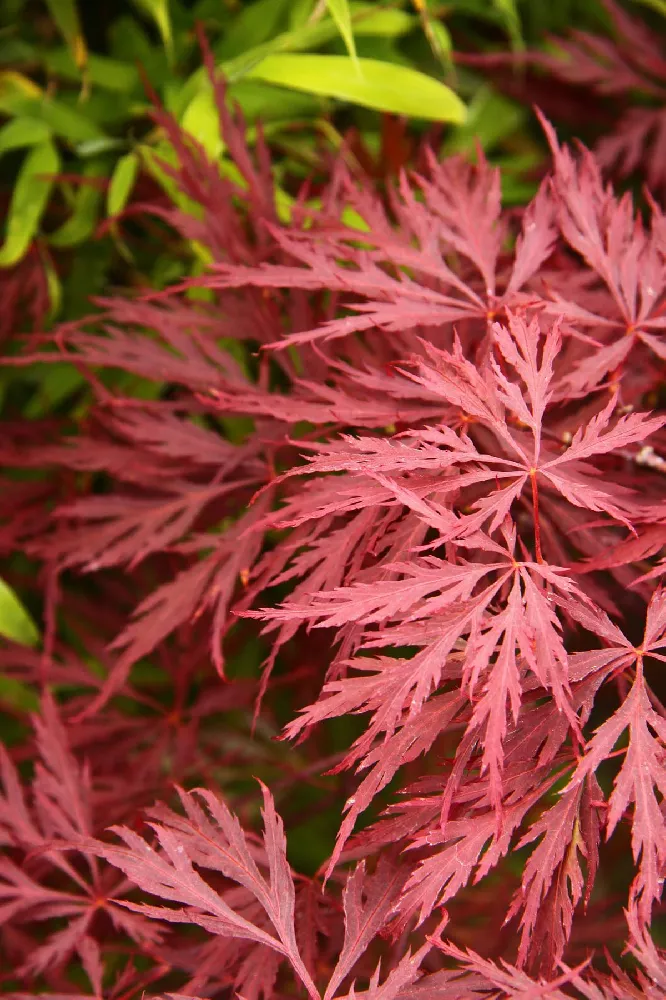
[537,526]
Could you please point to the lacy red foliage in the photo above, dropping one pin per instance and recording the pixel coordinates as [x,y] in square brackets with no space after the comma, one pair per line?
[439,441]
[632,62]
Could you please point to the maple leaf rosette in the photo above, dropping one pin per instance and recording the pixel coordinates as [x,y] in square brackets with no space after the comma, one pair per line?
[437,440]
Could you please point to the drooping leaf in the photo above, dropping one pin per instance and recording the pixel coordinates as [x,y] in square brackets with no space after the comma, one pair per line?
[341,14]
[382,86]
[15,622]
[29,199]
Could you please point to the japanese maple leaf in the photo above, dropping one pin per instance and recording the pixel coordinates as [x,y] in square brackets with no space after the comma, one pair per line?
[633,61]
[612,240]
[455,605]
[490,397]
[459,213]
[210,837]
[553,879]
[43,880]
[642,777]
[431,467]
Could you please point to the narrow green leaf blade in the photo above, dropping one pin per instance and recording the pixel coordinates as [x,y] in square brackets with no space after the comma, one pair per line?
[122,183]
[15,622]
[339,11]
[158,10]
[23,132]
[382,86]
[29,198]
[201,120]
[66,17]
[508,11]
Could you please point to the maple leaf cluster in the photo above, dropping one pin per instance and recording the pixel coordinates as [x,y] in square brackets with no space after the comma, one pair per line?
[424,454]
[630,62]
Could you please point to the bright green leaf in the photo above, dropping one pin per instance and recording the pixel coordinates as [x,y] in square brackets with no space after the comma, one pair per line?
[369,19]
[339,11]
[23,132]
[158,10]
[202,121]
[15,622]
[382,86]
[29,198]
[66,17]
[122,183]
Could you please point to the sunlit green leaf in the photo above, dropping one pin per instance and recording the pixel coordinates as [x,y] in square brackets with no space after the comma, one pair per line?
[370,19]
[122,183]
[15,622]
[158,10]
[339,11]
[202,121]
[22,132]
[382,86]
[29,198]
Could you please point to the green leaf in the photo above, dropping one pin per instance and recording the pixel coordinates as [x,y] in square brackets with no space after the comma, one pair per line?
[53,384]
[54,288]
[658,5]
[382,86]
[122,183]
[368,19]
[202,121]
[15,622]
[339,11]
[66,17]
[81,223]
[439,40]
[23,132]
[490,119]
[158,10]
[29,197]
[64,121]
[255,24]
[109,74]
[17,695]
[508,11]
[300,12]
